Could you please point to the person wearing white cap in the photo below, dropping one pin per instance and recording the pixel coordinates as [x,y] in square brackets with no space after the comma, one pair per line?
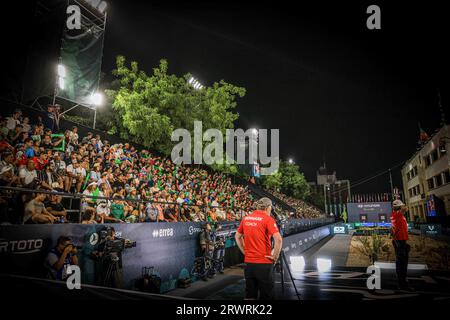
[399,241]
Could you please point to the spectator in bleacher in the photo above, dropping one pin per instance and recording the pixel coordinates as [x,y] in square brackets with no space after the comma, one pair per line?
[73,136]
[131,173]
[28,175]
[87,138]
[89,217]
[118,208]
[35,211]
[151,213]
[16,136]
[26,127]
[53,206]
[49,120]
[14,120]
[75,176]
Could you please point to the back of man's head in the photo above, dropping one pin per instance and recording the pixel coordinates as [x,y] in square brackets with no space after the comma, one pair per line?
[263,203]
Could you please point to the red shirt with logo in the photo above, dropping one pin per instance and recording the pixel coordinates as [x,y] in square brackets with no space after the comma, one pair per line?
[257,229]
[399,226]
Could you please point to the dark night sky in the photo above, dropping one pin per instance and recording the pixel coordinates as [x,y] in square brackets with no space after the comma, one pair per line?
[315,72]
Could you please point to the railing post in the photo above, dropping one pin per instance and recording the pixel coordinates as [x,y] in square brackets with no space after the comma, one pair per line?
[79,210]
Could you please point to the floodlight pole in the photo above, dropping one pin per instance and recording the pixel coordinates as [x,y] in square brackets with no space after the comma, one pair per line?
[95,117]
[68,109]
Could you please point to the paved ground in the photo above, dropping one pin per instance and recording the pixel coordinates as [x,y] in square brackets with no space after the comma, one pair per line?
[339,283]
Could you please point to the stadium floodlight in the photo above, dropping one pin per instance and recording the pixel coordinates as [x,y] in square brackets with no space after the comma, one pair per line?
[102,7]
[96,99]
[99,5]
[61,83]
[323,265]
[195,83]
[61,71]
[297,263]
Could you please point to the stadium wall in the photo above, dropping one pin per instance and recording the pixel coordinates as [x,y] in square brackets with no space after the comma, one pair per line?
[170,248]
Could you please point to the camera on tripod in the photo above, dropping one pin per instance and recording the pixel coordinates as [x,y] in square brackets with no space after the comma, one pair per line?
[113,244]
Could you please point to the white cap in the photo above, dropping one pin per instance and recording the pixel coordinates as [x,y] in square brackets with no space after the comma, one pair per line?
[398,203]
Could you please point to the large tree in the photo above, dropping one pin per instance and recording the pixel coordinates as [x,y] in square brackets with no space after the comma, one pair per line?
[289,180]
[293,182]
[150,107]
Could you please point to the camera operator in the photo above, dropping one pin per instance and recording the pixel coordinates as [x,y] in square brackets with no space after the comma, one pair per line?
[61,257]
[207,246]
[219,250]
[253,238]
[110,271]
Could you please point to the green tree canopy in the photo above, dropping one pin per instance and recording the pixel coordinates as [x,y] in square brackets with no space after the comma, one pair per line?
[289,180]
[150,107]
[293,182]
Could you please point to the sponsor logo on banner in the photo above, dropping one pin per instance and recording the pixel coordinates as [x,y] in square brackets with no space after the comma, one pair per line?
[339,230]
[431,229]
[21,246]
[193,230]
[93,239]
[163,233]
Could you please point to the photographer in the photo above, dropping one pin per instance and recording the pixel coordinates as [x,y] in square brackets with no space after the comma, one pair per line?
[61,257]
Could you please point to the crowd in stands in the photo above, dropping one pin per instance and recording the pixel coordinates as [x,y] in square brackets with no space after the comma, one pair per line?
[118,182]
[140,186]
[303,210]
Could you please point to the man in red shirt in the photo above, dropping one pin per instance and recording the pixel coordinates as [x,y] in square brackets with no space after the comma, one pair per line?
[399,238]
[253,238]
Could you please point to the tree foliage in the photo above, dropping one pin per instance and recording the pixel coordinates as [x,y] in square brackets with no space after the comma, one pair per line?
[293,182]
[150,107]
[289,180]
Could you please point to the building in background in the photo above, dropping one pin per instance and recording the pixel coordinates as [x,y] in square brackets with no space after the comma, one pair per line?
[426,178]
[335,192]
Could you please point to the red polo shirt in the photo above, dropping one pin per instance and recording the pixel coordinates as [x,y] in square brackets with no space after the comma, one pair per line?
[257,229]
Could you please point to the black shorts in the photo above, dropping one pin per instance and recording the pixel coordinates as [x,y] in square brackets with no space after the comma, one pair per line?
[259,278]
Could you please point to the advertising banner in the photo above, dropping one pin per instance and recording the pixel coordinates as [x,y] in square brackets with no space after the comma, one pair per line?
[369,212]
[431,229]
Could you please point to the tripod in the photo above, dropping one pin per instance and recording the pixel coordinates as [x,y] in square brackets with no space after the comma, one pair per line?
[283,262]
[113,266]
